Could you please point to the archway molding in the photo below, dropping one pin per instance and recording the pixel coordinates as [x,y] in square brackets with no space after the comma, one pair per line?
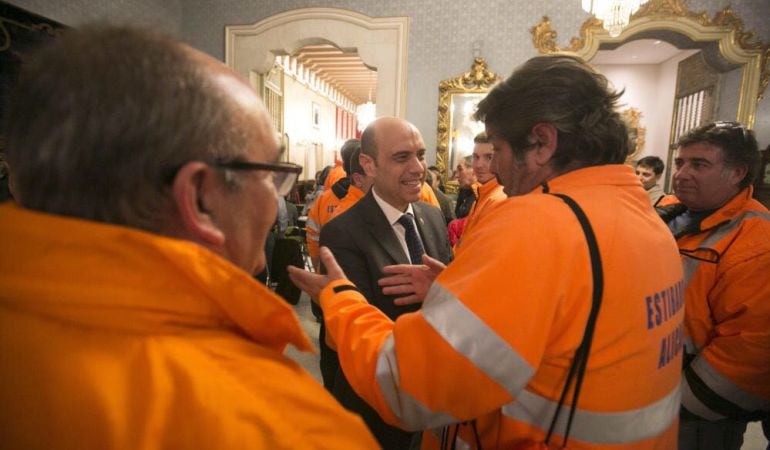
[381,43]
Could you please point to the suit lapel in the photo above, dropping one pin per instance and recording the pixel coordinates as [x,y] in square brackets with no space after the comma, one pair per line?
[380,229]
[429,238]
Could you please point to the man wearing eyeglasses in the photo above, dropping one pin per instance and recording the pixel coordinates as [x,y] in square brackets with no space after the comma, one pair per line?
[724,239]
[145,182]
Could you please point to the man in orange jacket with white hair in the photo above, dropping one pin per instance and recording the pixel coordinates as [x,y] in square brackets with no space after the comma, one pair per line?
[146,179]
[483,363]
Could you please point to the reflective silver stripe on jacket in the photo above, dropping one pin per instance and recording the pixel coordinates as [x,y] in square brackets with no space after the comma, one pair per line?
[690,347]
[691,264]
[598,427]
[472,338]
[726,388]
[412,414]
[313,225]
[695,406]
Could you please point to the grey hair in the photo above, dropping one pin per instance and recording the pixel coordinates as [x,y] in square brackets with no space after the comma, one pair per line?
[102,118]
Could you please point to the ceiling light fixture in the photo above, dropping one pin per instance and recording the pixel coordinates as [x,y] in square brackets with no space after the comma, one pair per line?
[366,112]
[615,14]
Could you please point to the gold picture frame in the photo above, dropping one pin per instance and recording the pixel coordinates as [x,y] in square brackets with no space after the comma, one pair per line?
[468,87]
[668,18]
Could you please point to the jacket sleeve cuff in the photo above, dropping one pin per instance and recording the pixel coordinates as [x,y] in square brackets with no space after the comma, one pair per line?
[329,294]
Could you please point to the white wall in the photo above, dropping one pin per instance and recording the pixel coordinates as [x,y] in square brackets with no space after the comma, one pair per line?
[304,137]
[649,88]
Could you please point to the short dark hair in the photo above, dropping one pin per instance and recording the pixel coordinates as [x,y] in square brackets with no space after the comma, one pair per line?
[652,162]
[100,117]
[324,174]
[481,138]
[347,151]
[355,163]
[738,144]
[568,94]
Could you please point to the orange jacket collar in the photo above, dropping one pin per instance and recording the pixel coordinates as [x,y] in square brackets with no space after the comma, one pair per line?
[610,174]
[105,275]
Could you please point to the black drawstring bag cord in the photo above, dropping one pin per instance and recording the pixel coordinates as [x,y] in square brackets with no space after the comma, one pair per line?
[580,361]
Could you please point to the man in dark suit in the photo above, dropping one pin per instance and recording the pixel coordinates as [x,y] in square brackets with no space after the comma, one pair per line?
[370,236]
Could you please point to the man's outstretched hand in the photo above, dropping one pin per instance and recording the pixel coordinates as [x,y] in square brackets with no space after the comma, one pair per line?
[313,283]
[412,280]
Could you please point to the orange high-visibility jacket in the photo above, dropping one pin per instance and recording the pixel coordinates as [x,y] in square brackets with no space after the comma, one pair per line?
[488,195]
[428,196]
[726,269]
[113,338]
[329,205]
[499,327]
[335,174]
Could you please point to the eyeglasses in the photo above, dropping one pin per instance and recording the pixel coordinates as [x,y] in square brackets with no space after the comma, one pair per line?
[284,174]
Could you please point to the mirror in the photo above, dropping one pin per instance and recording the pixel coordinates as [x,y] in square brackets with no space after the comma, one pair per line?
[457,100]
[722,38]
[719,71]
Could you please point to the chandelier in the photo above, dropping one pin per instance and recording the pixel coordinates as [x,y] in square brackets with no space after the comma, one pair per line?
[366,112]
[615,14]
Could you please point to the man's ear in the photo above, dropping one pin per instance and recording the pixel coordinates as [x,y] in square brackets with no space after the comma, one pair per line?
[546,137]
[736,174]
[367,162]
[195,184]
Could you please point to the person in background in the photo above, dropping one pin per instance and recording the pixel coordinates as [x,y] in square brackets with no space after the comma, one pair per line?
[146,182]
[438,182]
[489,193]
[325,207]
[320,179]
[465,195]
[483,362]
[336,173]
[722,233]
[649,170]
[445,203]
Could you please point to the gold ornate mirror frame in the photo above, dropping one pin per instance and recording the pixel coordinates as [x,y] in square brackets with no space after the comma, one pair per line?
[478,80]
[638,133]
[735,44]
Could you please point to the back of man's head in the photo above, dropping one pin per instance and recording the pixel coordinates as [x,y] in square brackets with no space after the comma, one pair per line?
[738,144]
[102,118]
[653,163]
[569,95]
[355,163]
[349,148]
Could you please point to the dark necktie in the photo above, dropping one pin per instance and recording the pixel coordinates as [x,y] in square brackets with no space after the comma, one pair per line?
[413,242]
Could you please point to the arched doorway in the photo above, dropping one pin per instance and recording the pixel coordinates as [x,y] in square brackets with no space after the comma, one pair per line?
[381,43]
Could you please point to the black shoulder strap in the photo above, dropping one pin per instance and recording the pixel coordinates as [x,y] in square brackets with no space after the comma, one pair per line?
[579,362]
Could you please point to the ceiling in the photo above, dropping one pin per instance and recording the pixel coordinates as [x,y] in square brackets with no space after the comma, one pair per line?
[348,74]
[343,70]
[642,51]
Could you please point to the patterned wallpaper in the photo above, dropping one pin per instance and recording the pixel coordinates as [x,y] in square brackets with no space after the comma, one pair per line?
[441,35]
[164,15]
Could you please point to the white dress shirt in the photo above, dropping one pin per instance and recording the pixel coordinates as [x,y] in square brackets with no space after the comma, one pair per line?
[393,214]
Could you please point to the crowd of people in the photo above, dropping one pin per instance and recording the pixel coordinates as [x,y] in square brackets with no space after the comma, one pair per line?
[578,307]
